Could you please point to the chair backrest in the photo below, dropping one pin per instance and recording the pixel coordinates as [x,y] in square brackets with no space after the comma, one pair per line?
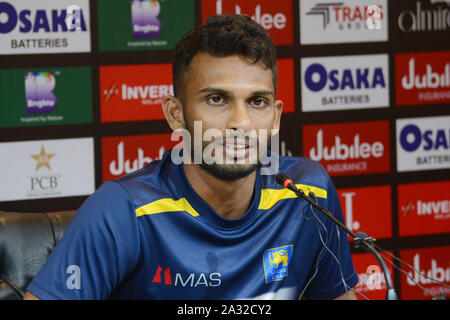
[26,241]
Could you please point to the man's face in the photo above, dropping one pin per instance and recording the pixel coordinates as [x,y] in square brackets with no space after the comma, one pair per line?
[235,96]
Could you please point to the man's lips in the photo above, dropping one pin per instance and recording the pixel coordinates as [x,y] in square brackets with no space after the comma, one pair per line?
[236,151]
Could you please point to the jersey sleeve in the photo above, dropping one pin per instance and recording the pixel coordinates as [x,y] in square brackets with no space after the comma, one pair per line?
[99,248]
[335,272]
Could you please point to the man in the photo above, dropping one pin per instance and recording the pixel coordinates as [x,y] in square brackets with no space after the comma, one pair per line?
[207,230]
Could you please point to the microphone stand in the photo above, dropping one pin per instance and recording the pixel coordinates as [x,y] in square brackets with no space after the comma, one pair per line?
[361,240]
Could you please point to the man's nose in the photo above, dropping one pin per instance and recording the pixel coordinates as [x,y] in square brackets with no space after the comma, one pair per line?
[239,117]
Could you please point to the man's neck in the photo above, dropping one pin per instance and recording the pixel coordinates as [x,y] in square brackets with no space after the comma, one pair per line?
[230,199]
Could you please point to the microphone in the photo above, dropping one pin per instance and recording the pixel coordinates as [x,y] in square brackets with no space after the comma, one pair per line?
[361,239]
[283,180]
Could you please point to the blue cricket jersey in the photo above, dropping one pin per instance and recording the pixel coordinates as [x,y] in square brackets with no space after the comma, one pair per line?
[149,235]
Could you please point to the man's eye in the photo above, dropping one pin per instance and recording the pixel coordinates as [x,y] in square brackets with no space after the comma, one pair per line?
[215,99]
[258,101]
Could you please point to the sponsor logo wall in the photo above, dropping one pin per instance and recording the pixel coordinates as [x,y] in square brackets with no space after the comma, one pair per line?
[275,17]
[432,262]
[343,21]
[424,212]
[347,82]
[423,143]
[47,168]
[134,92]
[47,26]
[34,97]
[349,148]
[366,92]
[368,209]
[142,24]
[122,155]
[422,78]
[372,282]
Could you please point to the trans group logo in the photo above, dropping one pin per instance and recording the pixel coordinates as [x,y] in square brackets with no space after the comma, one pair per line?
[44,26]
[423,143]
[39,92]
[343,21]
[144,16]
[345,82]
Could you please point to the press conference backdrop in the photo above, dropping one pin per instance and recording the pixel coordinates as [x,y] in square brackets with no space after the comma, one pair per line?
[366,86]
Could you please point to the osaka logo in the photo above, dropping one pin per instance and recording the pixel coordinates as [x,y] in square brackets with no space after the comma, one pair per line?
[276,262]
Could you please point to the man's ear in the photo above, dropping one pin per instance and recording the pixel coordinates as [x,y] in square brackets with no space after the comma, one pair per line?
[278,111]
[173,110]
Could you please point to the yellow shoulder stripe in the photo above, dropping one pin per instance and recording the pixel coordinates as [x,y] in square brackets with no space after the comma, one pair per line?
[269,197]
[166,205]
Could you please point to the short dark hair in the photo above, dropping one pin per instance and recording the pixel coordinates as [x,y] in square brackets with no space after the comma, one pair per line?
[224,36]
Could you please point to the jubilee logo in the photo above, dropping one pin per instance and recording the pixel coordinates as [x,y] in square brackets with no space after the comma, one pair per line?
[143,24]
[368,209]
[424,212]
[274,17]
[345,82]
[343,21]
[430,262]
[44,27]
[47,169]
[135,92]
[349,148]
[422,78]
[423,143]
[45,96]
[122,155]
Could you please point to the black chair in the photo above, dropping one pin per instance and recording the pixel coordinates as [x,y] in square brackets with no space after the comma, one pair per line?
[26,241]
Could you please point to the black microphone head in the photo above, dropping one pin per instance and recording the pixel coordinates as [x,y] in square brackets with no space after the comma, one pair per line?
[281,178]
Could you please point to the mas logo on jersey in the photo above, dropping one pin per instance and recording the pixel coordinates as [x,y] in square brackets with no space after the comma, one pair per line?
[276,262]
[192,280]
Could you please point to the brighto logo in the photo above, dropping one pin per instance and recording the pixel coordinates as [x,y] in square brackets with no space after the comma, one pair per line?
[144,16]
[40,20]
[39,92]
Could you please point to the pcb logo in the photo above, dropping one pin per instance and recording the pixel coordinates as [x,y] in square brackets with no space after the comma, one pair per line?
[276,262]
